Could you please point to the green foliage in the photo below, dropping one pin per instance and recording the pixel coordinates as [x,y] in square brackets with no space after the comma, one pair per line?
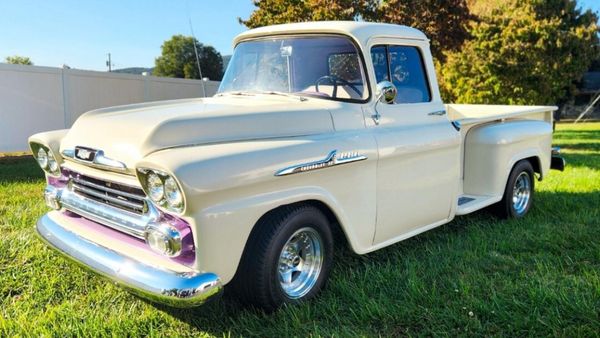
[178,59]
[19,60]
[511,52]
[521,52]
[444,21]
[477,276]
[271,12]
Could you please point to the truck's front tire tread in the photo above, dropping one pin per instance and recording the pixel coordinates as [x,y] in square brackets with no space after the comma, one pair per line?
[256,281]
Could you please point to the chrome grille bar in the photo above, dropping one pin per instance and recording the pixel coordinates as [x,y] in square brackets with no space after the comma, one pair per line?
[119,206]
[129,198]
[107,189]
[107,215]
[119,202]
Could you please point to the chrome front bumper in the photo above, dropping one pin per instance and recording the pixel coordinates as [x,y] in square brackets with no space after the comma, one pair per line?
[156,284]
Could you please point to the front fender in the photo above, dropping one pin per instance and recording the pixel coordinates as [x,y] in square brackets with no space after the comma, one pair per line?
[224,229]
[228,187]
[50,139]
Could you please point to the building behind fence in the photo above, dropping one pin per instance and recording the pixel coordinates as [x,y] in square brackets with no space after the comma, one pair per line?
[587,94]
[35,99]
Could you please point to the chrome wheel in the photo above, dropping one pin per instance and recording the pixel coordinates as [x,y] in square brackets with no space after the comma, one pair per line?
[300,262]
[521,193]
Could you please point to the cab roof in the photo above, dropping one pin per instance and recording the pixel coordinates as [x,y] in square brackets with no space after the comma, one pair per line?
[360,31]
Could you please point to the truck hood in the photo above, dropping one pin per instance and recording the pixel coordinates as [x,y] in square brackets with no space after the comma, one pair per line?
[129,133]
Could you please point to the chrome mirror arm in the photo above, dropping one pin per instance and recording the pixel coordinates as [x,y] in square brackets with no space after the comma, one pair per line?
[376,117]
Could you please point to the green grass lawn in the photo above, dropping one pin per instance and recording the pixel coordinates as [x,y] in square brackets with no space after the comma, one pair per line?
[475,276]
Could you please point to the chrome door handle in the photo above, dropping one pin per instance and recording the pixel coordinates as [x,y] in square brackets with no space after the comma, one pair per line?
[437,113]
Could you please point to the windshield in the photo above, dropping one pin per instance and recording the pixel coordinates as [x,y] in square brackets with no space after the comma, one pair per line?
[320,66]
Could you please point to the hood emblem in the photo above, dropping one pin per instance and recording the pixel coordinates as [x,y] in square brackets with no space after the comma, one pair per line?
[94,158]
[85,154]
[332,159]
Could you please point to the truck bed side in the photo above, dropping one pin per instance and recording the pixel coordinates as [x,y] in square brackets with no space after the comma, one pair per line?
[495,137]
[468,114]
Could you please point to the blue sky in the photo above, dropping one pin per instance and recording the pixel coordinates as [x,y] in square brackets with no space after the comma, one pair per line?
[81,33]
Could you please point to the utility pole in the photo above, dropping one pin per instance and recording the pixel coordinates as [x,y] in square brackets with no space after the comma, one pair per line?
[109,63]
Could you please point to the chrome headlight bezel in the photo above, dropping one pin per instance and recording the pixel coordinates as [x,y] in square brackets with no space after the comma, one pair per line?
[162,200]
[50,163]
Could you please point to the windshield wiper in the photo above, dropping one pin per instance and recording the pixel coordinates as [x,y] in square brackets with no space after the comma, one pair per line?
[263,92]
[238,93]
[272,92]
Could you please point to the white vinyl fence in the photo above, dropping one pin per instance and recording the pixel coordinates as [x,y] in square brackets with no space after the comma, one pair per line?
[35,99]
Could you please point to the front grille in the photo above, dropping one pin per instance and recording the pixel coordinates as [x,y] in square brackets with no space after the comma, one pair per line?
[128,198]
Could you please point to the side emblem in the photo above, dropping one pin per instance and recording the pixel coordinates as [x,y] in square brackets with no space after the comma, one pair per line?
[334,158]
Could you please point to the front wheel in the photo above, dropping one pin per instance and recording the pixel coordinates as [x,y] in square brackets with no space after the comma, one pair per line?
[287,259]
[518,194]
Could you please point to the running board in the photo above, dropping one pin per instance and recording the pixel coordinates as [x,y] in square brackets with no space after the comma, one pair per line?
[469,203]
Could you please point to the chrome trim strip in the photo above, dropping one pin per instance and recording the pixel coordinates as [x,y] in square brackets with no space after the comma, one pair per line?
[112,217]
[437,113]
[100,161]
[179,289]
[332,159]
[70,153]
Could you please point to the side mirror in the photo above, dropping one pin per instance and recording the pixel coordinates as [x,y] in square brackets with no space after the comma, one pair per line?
[386,92]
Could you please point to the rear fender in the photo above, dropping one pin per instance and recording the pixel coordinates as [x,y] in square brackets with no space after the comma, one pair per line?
[492,150]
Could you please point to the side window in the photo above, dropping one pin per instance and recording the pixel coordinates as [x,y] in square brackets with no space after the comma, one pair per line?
[380,63]
[407,71]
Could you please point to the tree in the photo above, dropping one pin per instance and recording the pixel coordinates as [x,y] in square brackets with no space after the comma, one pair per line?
[522,52]
[178,59]
[271,12]
[445,22]
[19,60]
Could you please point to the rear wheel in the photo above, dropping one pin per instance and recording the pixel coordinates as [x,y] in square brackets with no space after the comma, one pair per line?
[518,194]
[287,259]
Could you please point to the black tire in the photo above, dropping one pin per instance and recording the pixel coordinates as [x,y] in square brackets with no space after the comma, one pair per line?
[257,280]
[507,208]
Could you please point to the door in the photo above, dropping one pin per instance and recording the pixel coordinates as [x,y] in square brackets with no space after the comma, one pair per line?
[418,169]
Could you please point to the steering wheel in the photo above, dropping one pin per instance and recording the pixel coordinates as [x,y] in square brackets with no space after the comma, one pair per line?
[334,80]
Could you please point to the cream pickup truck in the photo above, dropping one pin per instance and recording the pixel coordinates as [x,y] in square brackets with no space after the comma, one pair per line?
[321,134]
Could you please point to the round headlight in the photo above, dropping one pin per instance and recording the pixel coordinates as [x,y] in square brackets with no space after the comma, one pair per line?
[156,188]
[172,193]
[52,164]
[42,158]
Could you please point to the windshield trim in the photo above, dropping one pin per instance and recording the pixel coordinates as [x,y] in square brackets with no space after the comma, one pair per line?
[349,37]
